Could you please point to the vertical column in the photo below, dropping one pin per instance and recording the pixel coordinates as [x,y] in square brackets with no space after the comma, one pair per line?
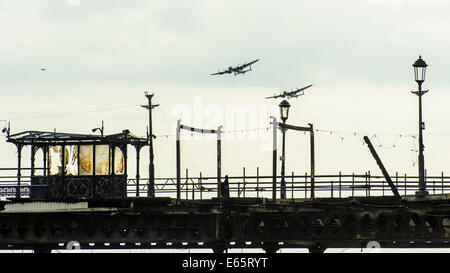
[32,165]
[283,162]
[113,158]
[274,159]
[311,132]
[178,159]
[219,160]
[19,163]
[45,159]
[257,182]
[138,151]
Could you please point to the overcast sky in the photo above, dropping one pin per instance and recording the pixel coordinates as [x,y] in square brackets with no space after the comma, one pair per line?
[100,57]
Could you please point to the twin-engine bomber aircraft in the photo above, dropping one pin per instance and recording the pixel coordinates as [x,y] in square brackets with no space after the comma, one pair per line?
[238,69]
[291,94]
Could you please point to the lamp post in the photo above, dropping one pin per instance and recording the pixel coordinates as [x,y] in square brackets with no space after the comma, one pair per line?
[100,129]
[419,74]
[150,137]
[284,113]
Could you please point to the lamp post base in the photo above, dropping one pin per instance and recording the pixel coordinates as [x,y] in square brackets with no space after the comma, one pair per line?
[421,193]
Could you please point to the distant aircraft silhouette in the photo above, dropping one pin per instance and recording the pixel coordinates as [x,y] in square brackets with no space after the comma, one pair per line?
[43,69]
[291,94]
[238,69]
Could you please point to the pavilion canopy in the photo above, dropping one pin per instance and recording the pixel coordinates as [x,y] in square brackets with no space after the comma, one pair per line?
[57,138]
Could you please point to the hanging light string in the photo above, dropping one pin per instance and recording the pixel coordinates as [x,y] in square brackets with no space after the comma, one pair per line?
[377,138]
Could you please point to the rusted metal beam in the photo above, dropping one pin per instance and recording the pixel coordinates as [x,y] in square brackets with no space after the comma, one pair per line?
[383,169]
[296,224]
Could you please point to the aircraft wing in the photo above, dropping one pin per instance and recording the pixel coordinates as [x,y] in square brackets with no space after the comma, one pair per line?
[301,89]
[275,96]
[221,72]
[245,65]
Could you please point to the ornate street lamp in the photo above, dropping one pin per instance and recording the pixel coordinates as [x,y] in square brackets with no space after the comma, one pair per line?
[98,129]
[420,67]
[284,113]
[150,137]
[284,110]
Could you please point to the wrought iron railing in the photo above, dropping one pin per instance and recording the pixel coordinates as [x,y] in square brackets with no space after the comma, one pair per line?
[297,186]
[254,186]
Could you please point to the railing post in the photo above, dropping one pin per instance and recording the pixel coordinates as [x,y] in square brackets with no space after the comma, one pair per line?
[193,189]
[396,179]
[405,184]
[368,188]
[239,188]
[201,186]
[257,182]
[332,188]
[442,183]
[306,185]
[187,185]
[434,188]
[243,182]
[353,184]
[340,184]
[292,189]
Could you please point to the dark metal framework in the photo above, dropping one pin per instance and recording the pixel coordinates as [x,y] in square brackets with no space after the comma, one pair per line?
[64,186]
[178,151]
[284,126]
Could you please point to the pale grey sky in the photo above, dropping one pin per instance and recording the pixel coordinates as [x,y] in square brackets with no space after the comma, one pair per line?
[100,57]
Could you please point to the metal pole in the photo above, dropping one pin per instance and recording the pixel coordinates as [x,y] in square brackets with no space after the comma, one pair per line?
[151,184]
[33,153]
[151,168]
[274,159]
[19,157]
[422,185]
[219,160]
[178,160]
[312,159]
[257,182]
[138,150]
[283,156]
[243,182]
[187,184]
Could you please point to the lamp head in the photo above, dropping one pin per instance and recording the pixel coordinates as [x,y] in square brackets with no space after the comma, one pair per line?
[284,110]
[420,67]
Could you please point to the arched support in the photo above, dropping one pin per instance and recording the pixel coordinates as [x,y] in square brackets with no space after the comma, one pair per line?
[34,149]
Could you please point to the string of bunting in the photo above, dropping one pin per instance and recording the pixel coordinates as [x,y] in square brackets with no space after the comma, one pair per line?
[342,135]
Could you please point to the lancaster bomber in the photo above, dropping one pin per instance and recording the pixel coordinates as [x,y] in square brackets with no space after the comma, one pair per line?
[240,69]
[291,94]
